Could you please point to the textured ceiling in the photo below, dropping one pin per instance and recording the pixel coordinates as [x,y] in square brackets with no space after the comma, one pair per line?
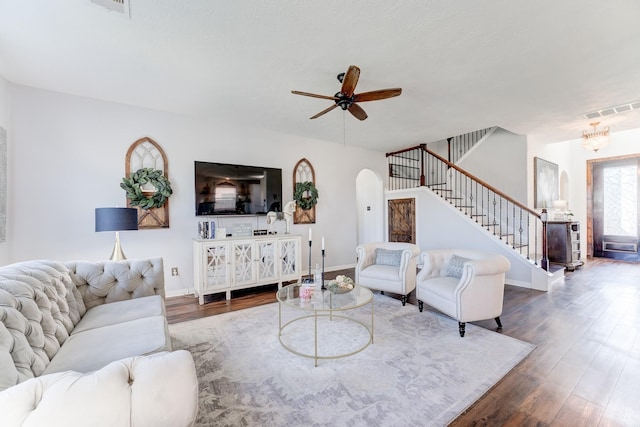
[532,67]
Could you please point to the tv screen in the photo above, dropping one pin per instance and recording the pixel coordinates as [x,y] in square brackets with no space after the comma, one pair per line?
[225,189]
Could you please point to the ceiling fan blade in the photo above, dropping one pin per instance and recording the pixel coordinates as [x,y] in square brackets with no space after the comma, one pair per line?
[325,111]
[313,95]
[357,112]
[377,94]
[350,81]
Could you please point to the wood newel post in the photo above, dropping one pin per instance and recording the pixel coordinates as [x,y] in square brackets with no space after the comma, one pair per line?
[545,260]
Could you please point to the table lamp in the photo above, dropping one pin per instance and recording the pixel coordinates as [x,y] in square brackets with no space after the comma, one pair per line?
[116,219]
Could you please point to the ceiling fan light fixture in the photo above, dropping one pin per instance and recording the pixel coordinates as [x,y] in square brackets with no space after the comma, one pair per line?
[346,99]
[596,139]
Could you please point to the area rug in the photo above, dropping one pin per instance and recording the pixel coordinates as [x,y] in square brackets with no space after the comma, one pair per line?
[418,370]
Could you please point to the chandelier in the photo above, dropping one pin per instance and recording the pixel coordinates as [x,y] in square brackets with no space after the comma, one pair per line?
[596,139]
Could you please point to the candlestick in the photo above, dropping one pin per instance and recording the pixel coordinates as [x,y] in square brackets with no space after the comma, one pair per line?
[322,274]
[309,278]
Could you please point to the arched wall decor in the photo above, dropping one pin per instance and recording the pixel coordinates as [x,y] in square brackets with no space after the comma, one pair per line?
[303,172]
[146,153]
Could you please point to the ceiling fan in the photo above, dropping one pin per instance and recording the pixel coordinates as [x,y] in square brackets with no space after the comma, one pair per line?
[346,99]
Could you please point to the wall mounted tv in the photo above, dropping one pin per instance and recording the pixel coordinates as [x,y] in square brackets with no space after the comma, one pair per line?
[225,189]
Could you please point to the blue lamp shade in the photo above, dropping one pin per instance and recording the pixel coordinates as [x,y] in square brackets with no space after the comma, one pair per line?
[116,219]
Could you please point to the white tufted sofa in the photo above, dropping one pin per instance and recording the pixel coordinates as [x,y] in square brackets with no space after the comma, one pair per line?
[87,343]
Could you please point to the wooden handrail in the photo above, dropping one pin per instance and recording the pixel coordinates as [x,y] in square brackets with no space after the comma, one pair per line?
[483,183]
[423,146]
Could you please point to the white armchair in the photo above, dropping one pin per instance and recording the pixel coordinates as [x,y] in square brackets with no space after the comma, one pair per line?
[388,266]
[464,284]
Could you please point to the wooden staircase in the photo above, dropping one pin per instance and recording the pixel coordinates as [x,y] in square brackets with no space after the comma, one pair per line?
[522,229]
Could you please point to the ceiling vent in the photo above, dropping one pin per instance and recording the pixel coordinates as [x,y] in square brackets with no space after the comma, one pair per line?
[635,105]
[120,6]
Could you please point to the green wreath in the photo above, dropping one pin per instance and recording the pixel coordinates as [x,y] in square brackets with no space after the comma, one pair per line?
[133,184]
[308,200]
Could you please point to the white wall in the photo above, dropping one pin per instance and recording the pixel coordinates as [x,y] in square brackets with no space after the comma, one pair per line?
[4,123]
[498,161]
[68,158]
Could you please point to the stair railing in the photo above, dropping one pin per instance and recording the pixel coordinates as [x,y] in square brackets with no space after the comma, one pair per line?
[519,226]
[457,146]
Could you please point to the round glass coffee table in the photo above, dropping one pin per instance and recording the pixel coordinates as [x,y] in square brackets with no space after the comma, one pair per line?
[321,324]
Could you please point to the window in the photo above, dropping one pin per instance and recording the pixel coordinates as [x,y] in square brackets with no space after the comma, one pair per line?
[225,198]
[620,200]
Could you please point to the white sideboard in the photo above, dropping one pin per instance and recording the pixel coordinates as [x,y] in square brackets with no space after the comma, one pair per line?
[223,265]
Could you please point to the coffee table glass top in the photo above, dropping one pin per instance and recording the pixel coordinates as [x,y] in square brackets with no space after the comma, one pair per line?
[312,297]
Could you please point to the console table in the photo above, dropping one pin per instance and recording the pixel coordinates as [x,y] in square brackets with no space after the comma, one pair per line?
[223,265]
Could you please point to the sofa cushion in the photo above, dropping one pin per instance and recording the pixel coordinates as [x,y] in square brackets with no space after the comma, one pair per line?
[94,348]
[388,257]
[439,291]
[121,311]
[156,390]
[110,281]
[9,374]
[456,265]
[381,272]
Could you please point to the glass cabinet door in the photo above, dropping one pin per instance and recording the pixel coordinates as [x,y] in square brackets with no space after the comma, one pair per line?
[289,259]
[267,260]
[244,270]
[217,266]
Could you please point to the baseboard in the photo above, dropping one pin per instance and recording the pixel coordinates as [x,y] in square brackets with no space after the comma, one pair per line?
[180,293]
[192,292]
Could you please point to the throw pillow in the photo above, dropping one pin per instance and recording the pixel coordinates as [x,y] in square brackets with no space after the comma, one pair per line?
[388,257]
[456,264]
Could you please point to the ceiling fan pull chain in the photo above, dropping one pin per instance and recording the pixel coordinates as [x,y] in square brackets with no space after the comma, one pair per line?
[344,129]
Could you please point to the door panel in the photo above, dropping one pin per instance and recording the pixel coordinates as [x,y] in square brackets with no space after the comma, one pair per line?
[402,220]
[616,194]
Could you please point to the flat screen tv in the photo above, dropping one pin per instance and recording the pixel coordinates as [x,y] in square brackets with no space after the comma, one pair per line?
[226,189]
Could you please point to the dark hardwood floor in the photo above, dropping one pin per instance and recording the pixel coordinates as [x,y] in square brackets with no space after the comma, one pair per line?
[584,371]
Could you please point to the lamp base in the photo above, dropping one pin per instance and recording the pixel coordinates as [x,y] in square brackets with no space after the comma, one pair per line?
[117,254]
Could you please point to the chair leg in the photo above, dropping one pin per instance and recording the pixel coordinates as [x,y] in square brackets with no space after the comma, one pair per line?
[420,306]
[461,326]
[499,322]
[404,300]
